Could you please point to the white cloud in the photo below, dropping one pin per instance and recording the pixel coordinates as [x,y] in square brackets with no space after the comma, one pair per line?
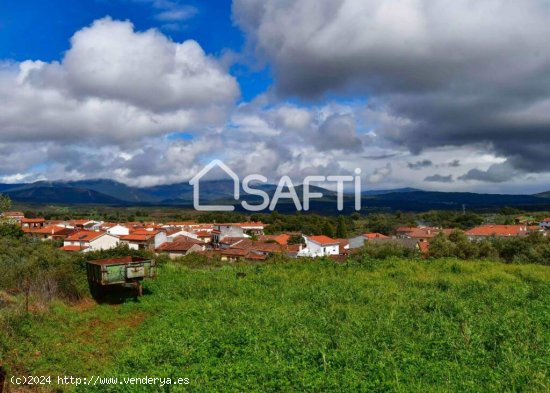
[115,84]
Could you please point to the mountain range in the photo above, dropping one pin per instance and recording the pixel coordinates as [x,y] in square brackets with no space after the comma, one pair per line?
[110,192]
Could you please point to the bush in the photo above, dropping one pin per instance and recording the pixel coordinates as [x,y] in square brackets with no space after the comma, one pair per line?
[387,250]
[40,270]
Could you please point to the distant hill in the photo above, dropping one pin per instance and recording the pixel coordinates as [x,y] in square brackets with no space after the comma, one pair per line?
[545,194]
[63,195]
[109,192]
[382,192]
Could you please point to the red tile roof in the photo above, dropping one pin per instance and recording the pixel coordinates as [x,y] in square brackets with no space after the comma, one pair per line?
[182,246]
[322,239]
[428,232]
[234,252]
[79,222]
[53,230]
[374,235]
[13,214]
[32,220]
[498,230]
[282,239]
[137,237]
[84,236]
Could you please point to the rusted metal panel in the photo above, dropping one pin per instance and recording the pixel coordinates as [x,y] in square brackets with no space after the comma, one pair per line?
[122,270]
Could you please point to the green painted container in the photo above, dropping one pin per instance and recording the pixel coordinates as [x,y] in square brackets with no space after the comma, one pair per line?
[127,271]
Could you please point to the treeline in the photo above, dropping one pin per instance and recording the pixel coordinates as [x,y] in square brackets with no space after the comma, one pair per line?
[533,248]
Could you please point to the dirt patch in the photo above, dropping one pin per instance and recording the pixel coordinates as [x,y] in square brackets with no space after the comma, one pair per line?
[84,304]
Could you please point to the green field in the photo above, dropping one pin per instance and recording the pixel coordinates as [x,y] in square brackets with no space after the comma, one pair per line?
[391,325]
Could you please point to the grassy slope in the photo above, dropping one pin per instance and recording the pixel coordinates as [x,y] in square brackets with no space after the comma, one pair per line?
[394,325]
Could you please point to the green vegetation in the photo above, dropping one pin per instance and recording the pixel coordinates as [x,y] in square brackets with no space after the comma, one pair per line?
[380,325]
[534,248]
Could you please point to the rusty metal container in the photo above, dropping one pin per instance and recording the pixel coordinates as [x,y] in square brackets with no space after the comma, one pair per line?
[125,271]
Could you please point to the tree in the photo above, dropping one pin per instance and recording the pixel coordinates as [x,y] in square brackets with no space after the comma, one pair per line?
[10,230]
[327,229]
[5,203]
[341,230]
[296,239]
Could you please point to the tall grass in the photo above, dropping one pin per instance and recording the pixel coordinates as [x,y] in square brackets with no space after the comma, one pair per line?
[394,325]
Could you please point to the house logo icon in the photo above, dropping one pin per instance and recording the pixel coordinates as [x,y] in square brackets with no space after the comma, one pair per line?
[195,182]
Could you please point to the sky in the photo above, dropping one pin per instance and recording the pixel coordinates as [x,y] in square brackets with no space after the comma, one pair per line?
[437,95]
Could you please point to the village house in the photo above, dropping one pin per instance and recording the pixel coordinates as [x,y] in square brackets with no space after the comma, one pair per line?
[50,232]
[318,246]
[252,228]
[89,241]
[13,217]
[237,254]
[488,230]
[221,231]
[143,239]
[359,241]
[281,239]
[422,233]
[180,248]
[32,223]
[118,230]
[205,236]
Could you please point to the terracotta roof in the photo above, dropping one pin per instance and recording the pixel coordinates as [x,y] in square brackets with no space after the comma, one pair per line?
[144,232]
[181,223]
[343,243]
[84,236]
[183,238]
[79,222]
[428,232]
[498,230]
[261,246]
[322,239]
[234,252]
[202,233]
[257,257]
[374,235]
[176,246]
[52,230]
[32,220]
[282,239]
[13,214]
[138,237]
[405,229]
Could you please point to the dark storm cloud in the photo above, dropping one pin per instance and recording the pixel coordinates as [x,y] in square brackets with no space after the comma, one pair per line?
[454,163]
[439,178]
[338,132]
[496,173]
[419,164]
[461,73]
